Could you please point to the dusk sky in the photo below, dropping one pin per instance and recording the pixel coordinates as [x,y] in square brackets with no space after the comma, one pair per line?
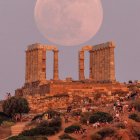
[121,23]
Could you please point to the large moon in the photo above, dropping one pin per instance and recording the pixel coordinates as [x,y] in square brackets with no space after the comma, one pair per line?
[68,22]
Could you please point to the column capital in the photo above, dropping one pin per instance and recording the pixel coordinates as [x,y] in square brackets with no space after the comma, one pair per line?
[81,51]
[55,51]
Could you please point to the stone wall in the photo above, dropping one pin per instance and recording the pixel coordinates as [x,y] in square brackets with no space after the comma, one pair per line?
[65,87]
[40,104]
[60,87]
[60,94]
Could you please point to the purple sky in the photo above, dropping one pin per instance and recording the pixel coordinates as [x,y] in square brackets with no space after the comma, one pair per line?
[18,29]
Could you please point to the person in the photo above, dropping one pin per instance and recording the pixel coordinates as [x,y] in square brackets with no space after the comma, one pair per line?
[69,108]
[117,115]
[8,96]
[96,125]
[46,117]
[125,108]
[114,107]
[87,122]
[125,122]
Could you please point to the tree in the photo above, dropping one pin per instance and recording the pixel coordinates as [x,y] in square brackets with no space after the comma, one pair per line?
[15,105]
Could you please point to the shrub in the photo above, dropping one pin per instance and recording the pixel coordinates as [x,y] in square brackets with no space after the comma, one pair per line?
[135,117]
[39,131]
[55,122]
[15,105]
[28,138]
[4,117]
[19,138]
[40,138]
[45,128]
[72,129]
[7,123]
[66,137]
[44,124]
[101,117]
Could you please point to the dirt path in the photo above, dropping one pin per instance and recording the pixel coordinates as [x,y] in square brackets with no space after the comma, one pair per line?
[18,128]
[12,131]
[4,132]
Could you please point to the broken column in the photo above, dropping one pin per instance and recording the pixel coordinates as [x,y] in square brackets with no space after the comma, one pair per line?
[81,65]
[91,65]
[55,69]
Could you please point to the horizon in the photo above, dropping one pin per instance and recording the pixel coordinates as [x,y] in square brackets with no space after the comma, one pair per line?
[18,30]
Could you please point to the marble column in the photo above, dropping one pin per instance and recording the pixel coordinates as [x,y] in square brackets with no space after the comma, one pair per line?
[55,67]
[98,66]
[81,65]
[95,65]
[31,65]
[27,67]
[103,64]
[106,64]
[35,68]
[111,64]
[39,63]
[91,65]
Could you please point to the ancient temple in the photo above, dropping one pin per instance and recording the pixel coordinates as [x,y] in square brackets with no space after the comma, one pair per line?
[43,93]
[101,71]
[102,66]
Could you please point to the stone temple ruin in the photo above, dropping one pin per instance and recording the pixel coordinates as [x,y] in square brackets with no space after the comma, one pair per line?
[42,93]
[102,67]
[101,63]
[36,63]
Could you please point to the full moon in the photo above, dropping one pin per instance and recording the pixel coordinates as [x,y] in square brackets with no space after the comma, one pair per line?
[68,22]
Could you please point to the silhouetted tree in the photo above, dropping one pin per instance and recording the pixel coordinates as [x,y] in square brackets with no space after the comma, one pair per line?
[15,105]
